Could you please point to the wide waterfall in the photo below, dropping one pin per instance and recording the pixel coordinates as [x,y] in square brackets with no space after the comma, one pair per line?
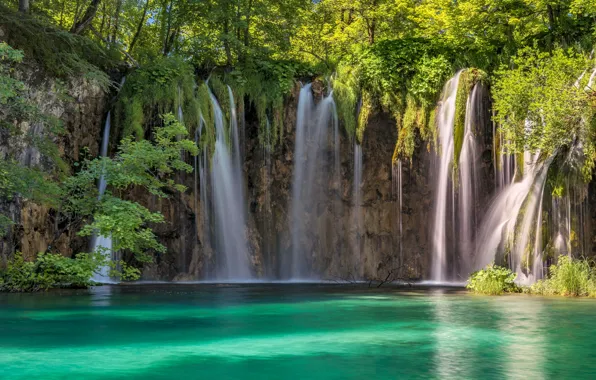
[310,182]
[228,200]
[103,244]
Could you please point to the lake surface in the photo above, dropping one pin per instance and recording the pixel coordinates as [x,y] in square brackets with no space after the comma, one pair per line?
[281,331]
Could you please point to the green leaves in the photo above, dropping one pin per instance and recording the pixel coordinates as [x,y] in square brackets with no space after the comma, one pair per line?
[542,105]
[137,164]
[569,277]
[49,271]
[493,280]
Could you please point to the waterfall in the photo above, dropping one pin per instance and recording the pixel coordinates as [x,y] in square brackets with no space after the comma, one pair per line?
[201,162]
[268,226]
[397,190]
[103,243]
[309,180]
[468,184]
[514,217]
[445,124]
[457,183]
[228,200]
[357,217]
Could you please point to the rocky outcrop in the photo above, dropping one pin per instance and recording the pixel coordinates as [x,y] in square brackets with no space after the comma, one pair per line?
[337,250]
[79,106]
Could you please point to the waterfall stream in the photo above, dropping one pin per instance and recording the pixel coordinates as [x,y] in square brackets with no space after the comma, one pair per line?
[445,124]
[103,244]
[357,219]
[228,200]
[310,179]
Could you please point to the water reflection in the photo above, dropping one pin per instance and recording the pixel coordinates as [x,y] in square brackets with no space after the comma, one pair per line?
[524,348]
[100,295]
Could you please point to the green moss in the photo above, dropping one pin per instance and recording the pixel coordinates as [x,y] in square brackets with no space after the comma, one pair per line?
[155,89]
[365,111]
[58,52]
[416,118]
[467,80]
[346,92]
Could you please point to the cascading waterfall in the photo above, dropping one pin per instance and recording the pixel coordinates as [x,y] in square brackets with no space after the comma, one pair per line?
[445,124]
[103,244]
[357,217]
[503,231]
[513,227]
[456,187]
[228,200]
[309,179]
[468,183]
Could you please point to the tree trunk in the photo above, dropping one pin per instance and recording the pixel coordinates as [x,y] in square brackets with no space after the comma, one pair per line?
[139,27]
[227,43]
[166,36]
[116,21]
[24,6]
[371,31]
[80,25]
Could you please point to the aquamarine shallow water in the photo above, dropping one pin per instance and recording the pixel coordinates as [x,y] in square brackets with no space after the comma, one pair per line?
[292,332]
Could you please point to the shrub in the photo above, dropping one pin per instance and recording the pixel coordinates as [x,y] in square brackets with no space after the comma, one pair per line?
[49,271]
[493,280]
[568,277]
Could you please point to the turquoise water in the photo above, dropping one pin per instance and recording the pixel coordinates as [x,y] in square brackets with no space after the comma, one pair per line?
[292,332]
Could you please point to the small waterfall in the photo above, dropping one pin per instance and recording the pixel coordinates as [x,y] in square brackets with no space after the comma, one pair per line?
[397,190]
[309,180]
[357,217]
[201,163]
[228,201]
[103,243]
[445,123]
[268,226]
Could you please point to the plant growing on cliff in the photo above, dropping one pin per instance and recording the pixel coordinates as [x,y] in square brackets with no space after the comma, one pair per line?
[544,104]
[18,179]
[493,280]
[144,164]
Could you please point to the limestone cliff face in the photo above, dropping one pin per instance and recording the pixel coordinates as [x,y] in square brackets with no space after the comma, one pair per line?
[79,105]
[336,249]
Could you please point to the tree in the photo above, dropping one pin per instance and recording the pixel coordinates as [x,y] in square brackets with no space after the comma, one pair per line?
[81,24]
[24,6]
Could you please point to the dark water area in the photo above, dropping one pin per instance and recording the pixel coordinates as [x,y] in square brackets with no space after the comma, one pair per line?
[293,331]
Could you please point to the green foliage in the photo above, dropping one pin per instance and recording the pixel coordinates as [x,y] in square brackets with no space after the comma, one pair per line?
[467,80]
[346,92]
[157,88]
[137,164]
[48,271]
[431,74]
[265,83]
[538,105]
[60,53]
[493,280]
[569,277]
